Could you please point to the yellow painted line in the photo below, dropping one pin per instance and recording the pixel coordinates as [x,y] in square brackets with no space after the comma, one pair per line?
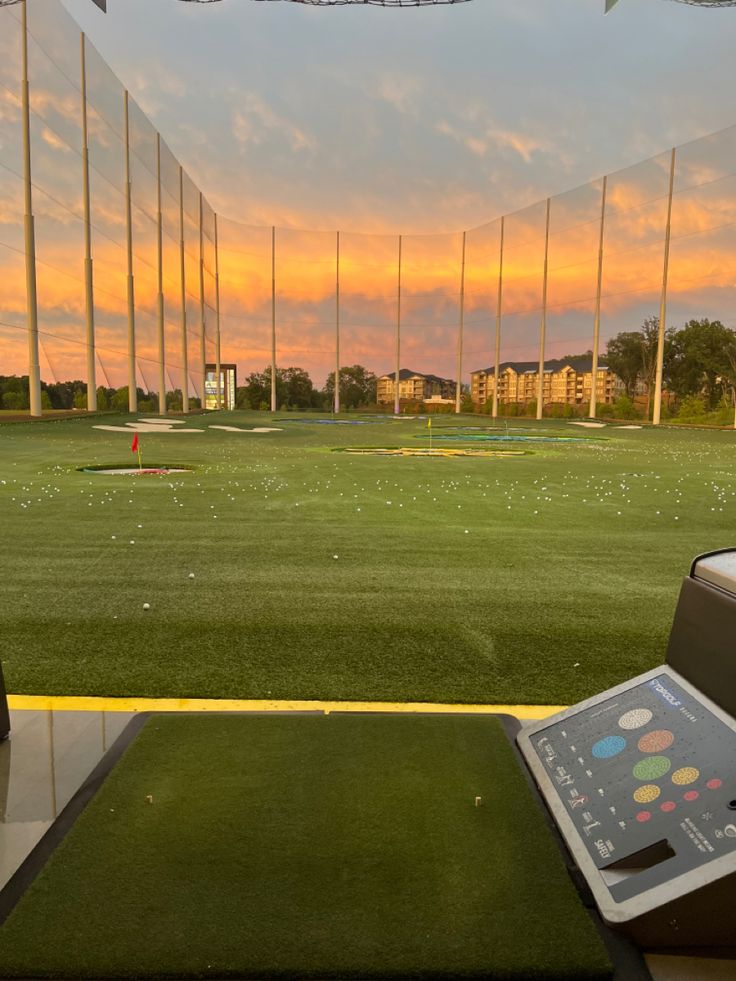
[83,703]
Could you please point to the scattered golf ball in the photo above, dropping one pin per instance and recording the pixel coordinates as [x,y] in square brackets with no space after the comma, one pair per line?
[191,575]
[146,606]
[132,542]
[335,556]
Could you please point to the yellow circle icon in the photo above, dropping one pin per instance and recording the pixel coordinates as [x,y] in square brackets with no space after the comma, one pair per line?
[685,775]
[646,794]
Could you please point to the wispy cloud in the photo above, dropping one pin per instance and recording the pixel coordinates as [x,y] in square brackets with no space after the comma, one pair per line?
[255,122]
[487,138]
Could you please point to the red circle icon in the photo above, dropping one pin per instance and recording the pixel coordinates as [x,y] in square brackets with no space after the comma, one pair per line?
[691,795]
[667,806]
[714,784]
[643,816]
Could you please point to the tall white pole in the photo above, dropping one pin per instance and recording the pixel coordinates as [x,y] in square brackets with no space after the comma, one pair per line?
[597,324]
[273,319]
[132,380]
[663,301]
[397,391]
[499,309]
[160,297]
[89,296]
[543,324]
[458,388]
[202,316]
[183,280]
[218,359]
[337,326]
[34,368]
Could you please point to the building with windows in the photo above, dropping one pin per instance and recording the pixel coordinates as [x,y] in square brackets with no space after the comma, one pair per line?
[414,387]
[226,388]
[567,381]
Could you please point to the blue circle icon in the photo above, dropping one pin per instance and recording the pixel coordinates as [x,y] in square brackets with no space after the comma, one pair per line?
[604,749]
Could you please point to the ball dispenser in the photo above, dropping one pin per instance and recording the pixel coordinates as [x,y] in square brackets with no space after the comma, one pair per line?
[641,779]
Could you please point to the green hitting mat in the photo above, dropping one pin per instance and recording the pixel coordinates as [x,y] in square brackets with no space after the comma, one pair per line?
[340,846]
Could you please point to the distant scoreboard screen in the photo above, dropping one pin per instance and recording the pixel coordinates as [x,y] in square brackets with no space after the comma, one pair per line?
[646,778]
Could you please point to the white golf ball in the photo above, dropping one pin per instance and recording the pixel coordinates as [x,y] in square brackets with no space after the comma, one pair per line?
[191,575]
[335,556]
[146,606]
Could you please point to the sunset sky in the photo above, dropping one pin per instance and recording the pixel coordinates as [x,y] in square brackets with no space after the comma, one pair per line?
[425,119]
[422,122]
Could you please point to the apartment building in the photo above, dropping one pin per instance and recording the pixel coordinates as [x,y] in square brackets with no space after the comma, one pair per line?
[414,387]
[566,380]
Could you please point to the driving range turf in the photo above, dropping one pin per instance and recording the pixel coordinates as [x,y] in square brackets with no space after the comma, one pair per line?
[319,575]
[339,846]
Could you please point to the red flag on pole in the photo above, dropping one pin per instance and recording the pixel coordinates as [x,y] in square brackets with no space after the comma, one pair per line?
[134,445]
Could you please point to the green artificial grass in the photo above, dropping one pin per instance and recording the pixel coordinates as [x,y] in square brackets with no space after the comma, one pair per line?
[313,846]
[540,579]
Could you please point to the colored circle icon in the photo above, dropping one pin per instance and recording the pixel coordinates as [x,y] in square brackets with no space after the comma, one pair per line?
[691,795]
[652,768]
[647,793]
[644,816]
[685,775]
[667,806]
[656,742]
[635,719]
[604,749]
[714,784]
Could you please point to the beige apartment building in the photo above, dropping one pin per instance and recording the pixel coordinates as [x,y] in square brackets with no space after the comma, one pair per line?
[567,381]
[414,387]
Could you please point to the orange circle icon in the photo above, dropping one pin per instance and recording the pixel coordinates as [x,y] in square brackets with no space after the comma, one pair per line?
[656,741]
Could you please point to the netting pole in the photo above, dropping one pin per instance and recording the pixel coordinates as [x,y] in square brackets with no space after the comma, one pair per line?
[273,319]
[597,325]
[132,377]
[218,359]
[458,388]
[160,273]
[89,292]
[337,326]
[663,301]
[183,278]
[543,324]
[34,367]
[202,346]
[499,311]
[397,392]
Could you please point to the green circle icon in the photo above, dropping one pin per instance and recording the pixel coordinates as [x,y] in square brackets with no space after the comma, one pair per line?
[652,768]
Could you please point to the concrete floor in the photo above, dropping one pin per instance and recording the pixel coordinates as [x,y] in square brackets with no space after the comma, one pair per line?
[49,754]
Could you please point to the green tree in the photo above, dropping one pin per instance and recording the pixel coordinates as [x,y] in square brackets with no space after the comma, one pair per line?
[649,347]
[624,358]
[15,400]
[358,387]
[298,385]
[701,360]
[294,388]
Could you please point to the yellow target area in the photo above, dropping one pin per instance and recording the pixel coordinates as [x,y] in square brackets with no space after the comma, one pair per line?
[646,794]
[685,775]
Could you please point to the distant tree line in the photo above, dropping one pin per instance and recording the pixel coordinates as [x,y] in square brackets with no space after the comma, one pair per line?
[73,395]
[699,362]
[296,390]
